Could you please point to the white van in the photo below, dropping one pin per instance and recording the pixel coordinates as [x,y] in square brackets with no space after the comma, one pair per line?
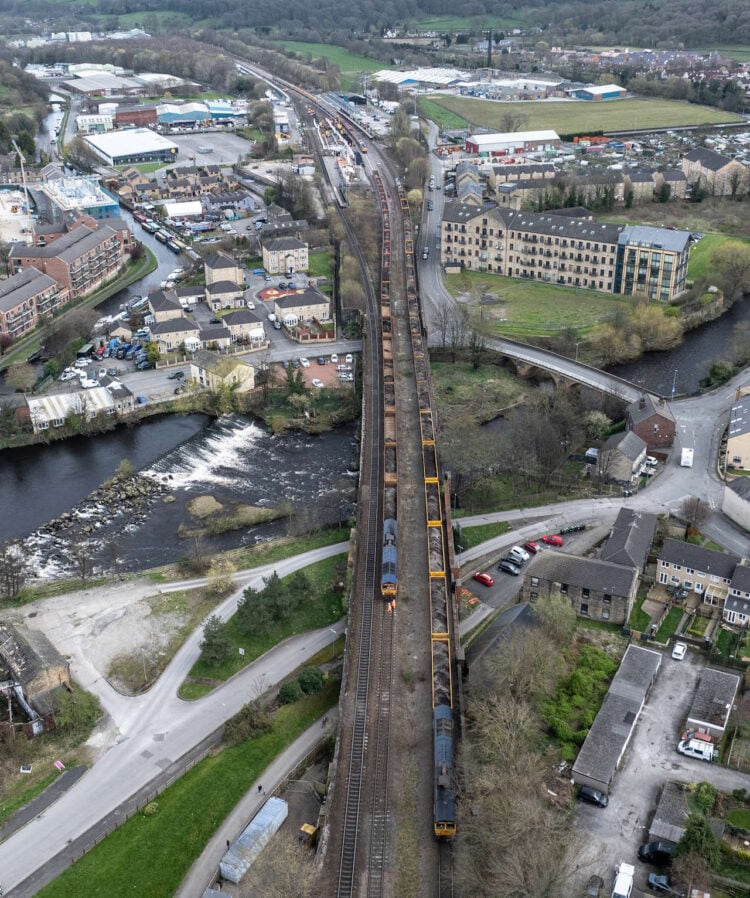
[519,553]
[697,748]
[623,881]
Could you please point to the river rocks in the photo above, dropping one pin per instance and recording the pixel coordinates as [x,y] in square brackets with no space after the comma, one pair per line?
[203,506]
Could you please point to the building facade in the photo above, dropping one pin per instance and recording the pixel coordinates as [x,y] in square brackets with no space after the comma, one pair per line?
[652,420]
[26,298]
[717,174]
[283,255]
[738,435]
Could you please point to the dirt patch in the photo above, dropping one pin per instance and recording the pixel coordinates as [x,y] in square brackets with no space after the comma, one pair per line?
[203,506]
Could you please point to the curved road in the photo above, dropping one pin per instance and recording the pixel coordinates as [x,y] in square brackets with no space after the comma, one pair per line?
[152,730]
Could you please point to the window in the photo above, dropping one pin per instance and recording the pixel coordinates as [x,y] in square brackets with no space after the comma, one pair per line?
[688,584]
[586,593]
[533,595]
[677,567]
[689,570]
[564,588]
[585,608]
[606,605]
[665,563]
[737,459]
[663,578]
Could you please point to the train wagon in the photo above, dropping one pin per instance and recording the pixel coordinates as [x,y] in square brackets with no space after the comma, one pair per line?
[388,575]
[444,808]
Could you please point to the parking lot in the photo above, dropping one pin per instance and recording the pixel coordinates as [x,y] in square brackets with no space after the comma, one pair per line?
[615,833]
[227,148]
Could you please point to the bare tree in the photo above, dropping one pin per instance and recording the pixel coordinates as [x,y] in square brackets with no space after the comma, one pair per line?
[14,570]
[512,120]
[286,870]
[695,512]
[81,557]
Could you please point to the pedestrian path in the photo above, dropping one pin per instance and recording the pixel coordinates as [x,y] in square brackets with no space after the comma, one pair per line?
[203,872]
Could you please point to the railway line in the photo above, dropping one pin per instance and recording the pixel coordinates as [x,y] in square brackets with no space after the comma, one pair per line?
[390,429]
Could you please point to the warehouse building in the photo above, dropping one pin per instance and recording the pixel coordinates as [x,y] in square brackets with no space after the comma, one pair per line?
[140,116]
[182,113]
[599,92]
[94,124]
[136,145]
[510,143]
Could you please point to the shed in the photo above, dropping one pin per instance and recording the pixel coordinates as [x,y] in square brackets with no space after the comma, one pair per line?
[713,702]
[671,814]
[253,839]
[610,733]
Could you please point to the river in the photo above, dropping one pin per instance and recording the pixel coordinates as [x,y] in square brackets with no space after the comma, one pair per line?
[234,459]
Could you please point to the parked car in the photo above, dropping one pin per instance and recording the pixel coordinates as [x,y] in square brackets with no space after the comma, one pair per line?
[508,567]
[215,321]
[113,372]
[322,360]
[552,539]
[317,383]
[68,375]
[660,882]
[175,375]
[657,853]
[594,886]
[593,796]
[484,579]
[519,553]
[679,651]
[304,362]
[334,359]
[349,358]
[282,285]
[531,547]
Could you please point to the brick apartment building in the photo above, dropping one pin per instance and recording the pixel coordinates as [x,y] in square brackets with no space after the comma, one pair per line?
[578,252]
[719,175]
[79,261]
[26,298]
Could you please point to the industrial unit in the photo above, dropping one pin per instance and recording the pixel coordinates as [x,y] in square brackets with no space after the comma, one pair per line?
[135,145]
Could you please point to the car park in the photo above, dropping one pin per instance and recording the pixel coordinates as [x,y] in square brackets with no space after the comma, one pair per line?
[657,853]
[552,540]
[531,547]
[304,362]
[281,285]
[484,579]
[508,567]
[68,374]
[102,372]
[317,383]
[295,363]
[113,372]
[679,651]
[593,796]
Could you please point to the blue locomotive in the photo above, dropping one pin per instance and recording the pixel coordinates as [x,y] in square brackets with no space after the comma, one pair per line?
[388,576]
[445,797]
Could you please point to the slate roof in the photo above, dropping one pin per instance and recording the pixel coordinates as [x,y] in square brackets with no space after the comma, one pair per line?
[737,604]
[708,158]
[658,238]
[651,406]
[641,177]
[618,715]
[22,286]
[27,652]
[741,486]
[588,573]
[741,578]
[164,302]
[220,288]
[219,260]
[309,297]
[174,325]
[279,244]
[627,442]
[714,697]
[209,332]
[67,247]
[739,418]
[631,538]
[673,176]
[241,316]
[707,561]
[671,814]
[460,213]
[210,361]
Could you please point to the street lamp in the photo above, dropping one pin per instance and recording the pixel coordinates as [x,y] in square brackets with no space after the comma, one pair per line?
[578,343]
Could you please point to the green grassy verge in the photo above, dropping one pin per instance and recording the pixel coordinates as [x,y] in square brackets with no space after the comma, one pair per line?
[443,118]
[14,802]
[320,264]
[567,118]
[670,624]
[51,588]
[153,854]
[486,390]
[324,608]
[639,620]
[532,308]
[474,536]
[264,553]
[700,255]
[466,23]
[350,64]
[739,817]
[133,272]
[145,168]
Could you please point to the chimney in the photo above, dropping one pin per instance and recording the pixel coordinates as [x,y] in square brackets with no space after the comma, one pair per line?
[642,402]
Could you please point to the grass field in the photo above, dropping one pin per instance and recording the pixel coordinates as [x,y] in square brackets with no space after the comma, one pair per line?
[149,855]
[484,391]
[566,118]
[320,264]
[444,118]
[323,608]
[350,65]
[474,536]
[700,254]
[741,53]
[465,23]
[532,308]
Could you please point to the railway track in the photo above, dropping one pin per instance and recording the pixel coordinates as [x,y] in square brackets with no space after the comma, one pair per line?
[445,871]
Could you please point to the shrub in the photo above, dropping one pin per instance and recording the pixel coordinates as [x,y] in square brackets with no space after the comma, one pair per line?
[251,721]
[151,808]
[310,680]
[290,693]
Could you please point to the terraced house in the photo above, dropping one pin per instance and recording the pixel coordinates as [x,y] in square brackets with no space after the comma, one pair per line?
[79,261]
[559,249]
[26,298]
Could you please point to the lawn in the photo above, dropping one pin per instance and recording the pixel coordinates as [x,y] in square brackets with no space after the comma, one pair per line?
[320,264]
[577,116]
[350,65]
[700,254]
[533,308]
[474,536]
[740,817]
[145,168]
[324,608]
[669,625]
[152,854]
[485,391]
[741,53]
[444,118]
[639,620]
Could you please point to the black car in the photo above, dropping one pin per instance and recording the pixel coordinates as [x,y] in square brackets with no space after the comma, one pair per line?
[593,796]
[321,360]
[657,853]
[508,568]
[215,321]
[175,375]
[282,285]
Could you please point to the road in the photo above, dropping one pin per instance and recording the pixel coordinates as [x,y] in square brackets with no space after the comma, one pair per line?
[150,731]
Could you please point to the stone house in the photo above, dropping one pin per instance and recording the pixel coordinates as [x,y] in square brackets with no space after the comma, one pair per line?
[621,457]
[676,180]
[736,502]
[704,571]
[225,295]
[719,175]
[283,255]
[164,305]
[221,267]
[629,543]
[171,334]
[302,305]
[652,420]
[212,371]
[215,336]
[712,703]
[26,298]
[245,325]
[600,590]
[641,183]
[738,435]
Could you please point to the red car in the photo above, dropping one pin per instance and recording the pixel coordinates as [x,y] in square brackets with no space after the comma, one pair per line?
[531,546]
[552,540]
[484,579]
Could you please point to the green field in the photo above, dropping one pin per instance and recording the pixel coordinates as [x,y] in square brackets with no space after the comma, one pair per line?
[700,254]
[741,52]
[350,65]
[149,855]
[567,118]
[444,118]
[533,308]
[465,23]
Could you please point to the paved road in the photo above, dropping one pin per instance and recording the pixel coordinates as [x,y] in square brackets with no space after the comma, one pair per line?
[151,731]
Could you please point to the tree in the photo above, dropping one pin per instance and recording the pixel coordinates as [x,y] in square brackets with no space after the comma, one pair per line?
[695,512]
[14,569]
[81,557]
[557,618]
[732,265]
[513,120]
[152,352]
[251,721]
[216,645]
[310,680]
[664,192]
[287,870]
[21,377]
[27,146]
[290,693]
[699,839]
[597,424]
[9,423]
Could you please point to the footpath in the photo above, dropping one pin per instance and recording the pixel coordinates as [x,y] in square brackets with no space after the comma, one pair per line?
[202,874]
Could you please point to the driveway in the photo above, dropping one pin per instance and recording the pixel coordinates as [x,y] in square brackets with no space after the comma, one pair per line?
[615,833]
